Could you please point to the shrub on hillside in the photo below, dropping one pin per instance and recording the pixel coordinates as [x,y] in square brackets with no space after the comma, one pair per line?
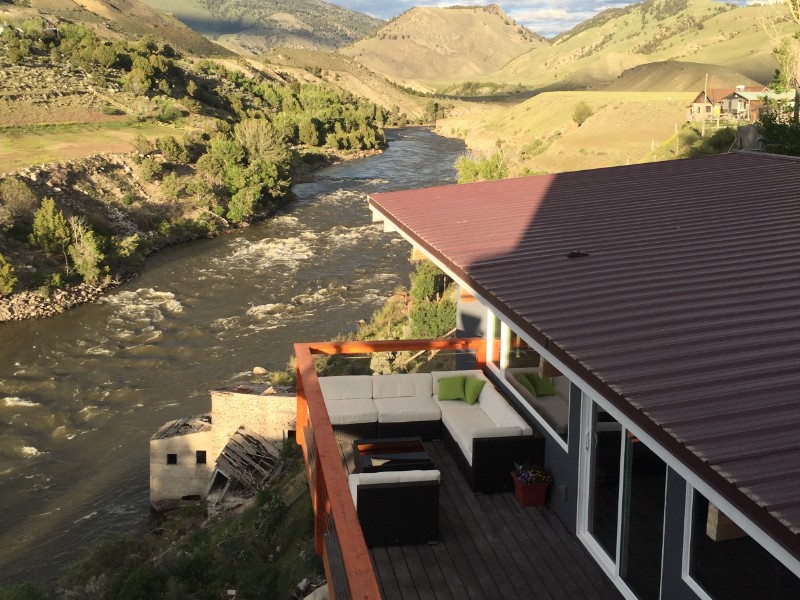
[18,200]
[8,278]
[149,168]
[50,229]
[582,112]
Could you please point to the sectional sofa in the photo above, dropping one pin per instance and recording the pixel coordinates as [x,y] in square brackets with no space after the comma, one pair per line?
[485,438]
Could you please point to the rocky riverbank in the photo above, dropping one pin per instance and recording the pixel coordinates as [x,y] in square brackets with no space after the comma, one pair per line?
[33,305]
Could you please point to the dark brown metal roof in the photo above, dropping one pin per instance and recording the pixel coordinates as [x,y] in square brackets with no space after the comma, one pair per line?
[686,311]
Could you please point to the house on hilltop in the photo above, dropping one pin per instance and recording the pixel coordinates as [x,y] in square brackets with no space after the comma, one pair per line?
[747,105]
[665,298]
[709,104]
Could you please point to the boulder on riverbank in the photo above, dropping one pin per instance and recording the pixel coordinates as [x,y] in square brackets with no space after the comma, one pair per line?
[31,305]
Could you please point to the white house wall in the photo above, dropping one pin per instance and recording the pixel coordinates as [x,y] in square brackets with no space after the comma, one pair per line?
[170,483]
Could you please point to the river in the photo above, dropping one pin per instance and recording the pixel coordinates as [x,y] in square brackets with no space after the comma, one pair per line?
[81,393]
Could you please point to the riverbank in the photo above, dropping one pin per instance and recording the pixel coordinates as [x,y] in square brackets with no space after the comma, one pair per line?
[52,180]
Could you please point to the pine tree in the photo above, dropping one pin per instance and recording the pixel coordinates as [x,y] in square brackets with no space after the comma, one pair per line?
[50,229]
[8,279]
[84,251]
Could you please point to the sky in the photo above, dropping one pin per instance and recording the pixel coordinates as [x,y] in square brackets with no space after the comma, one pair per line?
[545,17]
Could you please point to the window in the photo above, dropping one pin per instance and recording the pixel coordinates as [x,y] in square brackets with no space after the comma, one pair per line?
[201,457]
[172,459]
[728,563]
[512,359]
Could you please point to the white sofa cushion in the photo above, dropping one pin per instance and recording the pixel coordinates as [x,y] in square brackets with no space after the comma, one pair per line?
[461,424]
[389,477]
[491,432]
[437,375]
[396,386]
[407,408]
[501,413]
[341,387]
[351,410]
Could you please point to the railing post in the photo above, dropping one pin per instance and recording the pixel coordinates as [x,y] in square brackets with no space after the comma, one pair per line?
[320,507]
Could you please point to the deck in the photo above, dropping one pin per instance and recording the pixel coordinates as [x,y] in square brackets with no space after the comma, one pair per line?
[490,547]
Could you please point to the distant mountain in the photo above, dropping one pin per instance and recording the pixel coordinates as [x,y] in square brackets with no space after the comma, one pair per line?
[252,27]
[599,50]
[445,44]
[124,19]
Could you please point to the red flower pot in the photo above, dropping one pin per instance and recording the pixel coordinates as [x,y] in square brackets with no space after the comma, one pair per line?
[530,494]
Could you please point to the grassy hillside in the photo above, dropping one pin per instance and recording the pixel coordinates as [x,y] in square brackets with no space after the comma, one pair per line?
[540,134]
[252,27]
[120,19]
[678,76]
[444,44]
[349,75]
[597,51]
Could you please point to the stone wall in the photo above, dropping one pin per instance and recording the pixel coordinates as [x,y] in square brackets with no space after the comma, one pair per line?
[270,416]
[169,483]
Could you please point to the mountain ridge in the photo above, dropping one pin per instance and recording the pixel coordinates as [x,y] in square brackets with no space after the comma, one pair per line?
[251,27]
[461,42]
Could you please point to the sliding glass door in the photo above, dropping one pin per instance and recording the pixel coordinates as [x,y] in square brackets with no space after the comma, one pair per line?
[622,502]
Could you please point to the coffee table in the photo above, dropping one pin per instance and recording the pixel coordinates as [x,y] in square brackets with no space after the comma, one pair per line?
[390,454]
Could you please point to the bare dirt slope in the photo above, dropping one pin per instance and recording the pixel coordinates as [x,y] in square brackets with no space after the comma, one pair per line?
[444,44]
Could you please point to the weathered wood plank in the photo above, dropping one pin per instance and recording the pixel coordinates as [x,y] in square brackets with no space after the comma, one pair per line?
[490,547]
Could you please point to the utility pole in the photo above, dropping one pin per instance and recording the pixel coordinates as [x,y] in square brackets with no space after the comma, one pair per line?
[676,139]
[705,98]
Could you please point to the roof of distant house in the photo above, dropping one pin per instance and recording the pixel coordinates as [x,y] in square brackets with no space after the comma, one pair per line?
[681,304]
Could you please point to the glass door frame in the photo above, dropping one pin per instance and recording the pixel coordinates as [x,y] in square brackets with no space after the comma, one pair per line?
[610,565]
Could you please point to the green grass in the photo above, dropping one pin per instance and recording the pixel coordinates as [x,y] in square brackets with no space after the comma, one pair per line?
[22,146]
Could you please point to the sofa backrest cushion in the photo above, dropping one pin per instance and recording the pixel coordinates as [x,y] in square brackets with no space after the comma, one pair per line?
[562,386]
[499,411]
[488,432]
[402,386]
[341,387]
[389,478]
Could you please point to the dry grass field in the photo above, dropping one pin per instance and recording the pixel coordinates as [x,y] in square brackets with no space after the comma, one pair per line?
[541,135]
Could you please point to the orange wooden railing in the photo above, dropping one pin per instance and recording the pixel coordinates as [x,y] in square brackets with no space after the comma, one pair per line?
[327,480]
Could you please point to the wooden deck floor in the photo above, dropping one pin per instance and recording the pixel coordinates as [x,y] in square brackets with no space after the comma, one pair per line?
[490,547]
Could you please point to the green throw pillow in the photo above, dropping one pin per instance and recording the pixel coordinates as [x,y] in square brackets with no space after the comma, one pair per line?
[472,389]
[526,383]
[451,388]
[542,386]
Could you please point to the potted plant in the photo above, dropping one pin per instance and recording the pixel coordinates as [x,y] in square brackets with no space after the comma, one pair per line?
[530,484]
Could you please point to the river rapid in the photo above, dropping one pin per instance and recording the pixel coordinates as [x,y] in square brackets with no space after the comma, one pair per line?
[81,393]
